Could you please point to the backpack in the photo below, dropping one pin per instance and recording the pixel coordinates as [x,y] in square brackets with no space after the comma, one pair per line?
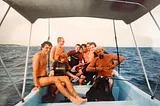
[100,91]
[50,96]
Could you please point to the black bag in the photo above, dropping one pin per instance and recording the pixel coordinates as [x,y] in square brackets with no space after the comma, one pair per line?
[50,96]
[100,91]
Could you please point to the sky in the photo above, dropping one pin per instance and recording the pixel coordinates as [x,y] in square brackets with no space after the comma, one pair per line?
[16,30]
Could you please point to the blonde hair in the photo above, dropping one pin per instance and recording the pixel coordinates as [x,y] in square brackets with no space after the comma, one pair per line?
[63,56]
[59,38]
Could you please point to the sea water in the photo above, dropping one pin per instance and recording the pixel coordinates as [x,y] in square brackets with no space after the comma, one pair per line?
[14,58]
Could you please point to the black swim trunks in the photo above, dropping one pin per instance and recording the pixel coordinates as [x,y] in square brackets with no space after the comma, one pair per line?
[42,76]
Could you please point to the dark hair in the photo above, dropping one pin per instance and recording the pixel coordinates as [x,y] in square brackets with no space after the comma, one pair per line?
[45,43]
[93,43]
[78,45]
[84,45]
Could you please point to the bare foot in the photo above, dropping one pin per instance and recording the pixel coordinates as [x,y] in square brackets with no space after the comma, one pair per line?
[81,99]
[75,101]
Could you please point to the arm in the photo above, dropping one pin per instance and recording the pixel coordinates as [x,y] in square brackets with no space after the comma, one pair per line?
[52,54]
[35,65]
[71,75]
[52,70]
[114,57]
[70,52]
[68,73]
[91,67]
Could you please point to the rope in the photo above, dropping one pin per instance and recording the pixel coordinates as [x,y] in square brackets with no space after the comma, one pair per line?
[11,80]
[116,45]
[143,68]
[26,64]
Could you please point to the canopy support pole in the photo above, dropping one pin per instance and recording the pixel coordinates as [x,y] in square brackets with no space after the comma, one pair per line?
[49,40]
[114,26]
[11,80]
[143,68]
[26,64]
[48,29]
[5,15]
[154,20]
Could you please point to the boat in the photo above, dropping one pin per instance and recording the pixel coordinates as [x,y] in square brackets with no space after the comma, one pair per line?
[125,93]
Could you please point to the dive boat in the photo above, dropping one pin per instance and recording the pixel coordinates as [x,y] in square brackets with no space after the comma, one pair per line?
[125,93]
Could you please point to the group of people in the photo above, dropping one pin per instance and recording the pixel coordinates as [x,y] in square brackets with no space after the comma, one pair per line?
[76,64]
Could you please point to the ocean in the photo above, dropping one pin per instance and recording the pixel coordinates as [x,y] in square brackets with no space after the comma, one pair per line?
[14,57]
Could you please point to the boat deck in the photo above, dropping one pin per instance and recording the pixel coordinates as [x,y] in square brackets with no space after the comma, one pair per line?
[108,103]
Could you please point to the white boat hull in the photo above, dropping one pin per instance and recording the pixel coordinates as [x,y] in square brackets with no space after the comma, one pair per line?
[125,94]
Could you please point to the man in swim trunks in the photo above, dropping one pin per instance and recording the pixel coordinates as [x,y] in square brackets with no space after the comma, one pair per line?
[39,63]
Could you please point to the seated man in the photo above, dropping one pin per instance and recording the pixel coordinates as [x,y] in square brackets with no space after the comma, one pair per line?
[103,64]
[88,55]
[40,60]
[75,62]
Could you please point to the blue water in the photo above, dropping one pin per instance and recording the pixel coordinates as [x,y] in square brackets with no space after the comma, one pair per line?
[14,59]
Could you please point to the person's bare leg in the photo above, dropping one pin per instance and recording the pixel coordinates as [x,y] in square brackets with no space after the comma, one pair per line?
[65,93]
[58,90]
[71,89]
[55,80]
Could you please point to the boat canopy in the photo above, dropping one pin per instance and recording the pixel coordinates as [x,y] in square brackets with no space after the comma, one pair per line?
[126,10]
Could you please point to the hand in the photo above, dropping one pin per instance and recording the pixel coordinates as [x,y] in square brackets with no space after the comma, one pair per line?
[51,73]
[80,64]
[35,88]
[75,77]
[73,69]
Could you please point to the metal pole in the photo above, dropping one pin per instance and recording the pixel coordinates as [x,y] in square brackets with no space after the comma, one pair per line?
[48,29]
[154,20]
[48,40]
[26,64]
[5,15]
[116,45]
[143,68]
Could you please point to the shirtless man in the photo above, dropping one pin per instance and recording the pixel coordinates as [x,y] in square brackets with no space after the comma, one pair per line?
[103,64]
[56,50]
[88,55]
[40,60]
[85,53]
[91,52]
